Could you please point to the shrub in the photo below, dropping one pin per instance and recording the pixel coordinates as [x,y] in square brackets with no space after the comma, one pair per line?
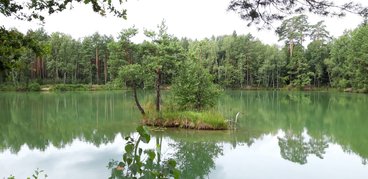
[34,87]
[193,88]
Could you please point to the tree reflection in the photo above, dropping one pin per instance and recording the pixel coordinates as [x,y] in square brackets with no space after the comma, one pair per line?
[318,147]
[295,148]
[196,159]
[38,120]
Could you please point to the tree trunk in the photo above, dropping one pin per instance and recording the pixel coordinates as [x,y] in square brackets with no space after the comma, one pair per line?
[75,72]
[91,71]
[39,68]
[64,77]
[291,46]
[137,101]
[97,67]
[158,92]
[56,74]
[105,66]
[329,78]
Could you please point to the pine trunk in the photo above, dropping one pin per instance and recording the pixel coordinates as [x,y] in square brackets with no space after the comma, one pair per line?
[105,67]
[97,67]
[158,92]
[137,101]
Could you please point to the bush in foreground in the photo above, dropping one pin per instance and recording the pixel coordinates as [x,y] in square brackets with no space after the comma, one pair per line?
[138,162]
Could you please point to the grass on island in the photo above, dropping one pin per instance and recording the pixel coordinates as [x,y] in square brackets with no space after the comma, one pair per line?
[203,120]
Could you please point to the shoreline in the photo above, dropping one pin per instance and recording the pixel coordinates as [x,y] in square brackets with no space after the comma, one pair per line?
[88,87]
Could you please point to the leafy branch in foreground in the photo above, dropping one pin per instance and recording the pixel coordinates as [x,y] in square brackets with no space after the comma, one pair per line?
[267,11]
[140,163]
[30,10]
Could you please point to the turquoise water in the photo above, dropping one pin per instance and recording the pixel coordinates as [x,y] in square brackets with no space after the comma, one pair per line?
[279,135]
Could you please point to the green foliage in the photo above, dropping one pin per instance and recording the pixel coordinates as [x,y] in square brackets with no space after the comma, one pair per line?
[133,74]
[259,12]
[348,63]
[299,74]
[34,87]
[7,87]
[142,163]
[36,9]
[193,88]
[162,54]
[359,57]
[339,64]
[114,85]
[294,30]
[316,55]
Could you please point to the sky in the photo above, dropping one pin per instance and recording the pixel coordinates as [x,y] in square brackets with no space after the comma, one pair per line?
[195,19]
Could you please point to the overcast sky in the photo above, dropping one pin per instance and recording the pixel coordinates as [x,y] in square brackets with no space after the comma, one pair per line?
[195,19]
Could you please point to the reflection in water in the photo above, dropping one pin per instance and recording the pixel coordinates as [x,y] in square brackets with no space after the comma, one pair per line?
[59,118]
[326,117]
[295,148]
[311,122]
[196,159]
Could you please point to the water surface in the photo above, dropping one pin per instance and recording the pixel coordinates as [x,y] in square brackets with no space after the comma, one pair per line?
[280,135]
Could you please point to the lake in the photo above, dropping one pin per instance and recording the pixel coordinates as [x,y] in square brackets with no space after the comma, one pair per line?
[279,135]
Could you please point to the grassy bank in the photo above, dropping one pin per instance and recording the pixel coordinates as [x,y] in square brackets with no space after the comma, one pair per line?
[203,120]
[57,87]
[77,87]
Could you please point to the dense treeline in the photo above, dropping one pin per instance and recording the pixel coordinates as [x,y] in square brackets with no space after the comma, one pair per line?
[234,61]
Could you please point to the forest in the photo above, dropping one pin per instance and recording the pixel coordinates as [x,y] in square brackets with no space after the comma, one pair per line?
[234,61]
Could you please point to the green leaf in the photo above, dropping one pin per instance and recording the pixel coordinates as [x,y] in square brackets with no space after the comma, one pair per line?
[144,134]
[129,161]
[146,138]
[137,158]
[176,173]
[142,130]
[129,148]
[151,154]
[134,169]
[171,163]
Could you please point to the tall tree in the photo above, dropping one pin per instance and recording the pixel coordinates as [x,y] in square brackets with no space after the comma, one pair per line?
[339,65]
[38,65]
[359,68]
[12,45]
[318,32]
[293,31]
[162,55]
[316,54]
[133,73]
